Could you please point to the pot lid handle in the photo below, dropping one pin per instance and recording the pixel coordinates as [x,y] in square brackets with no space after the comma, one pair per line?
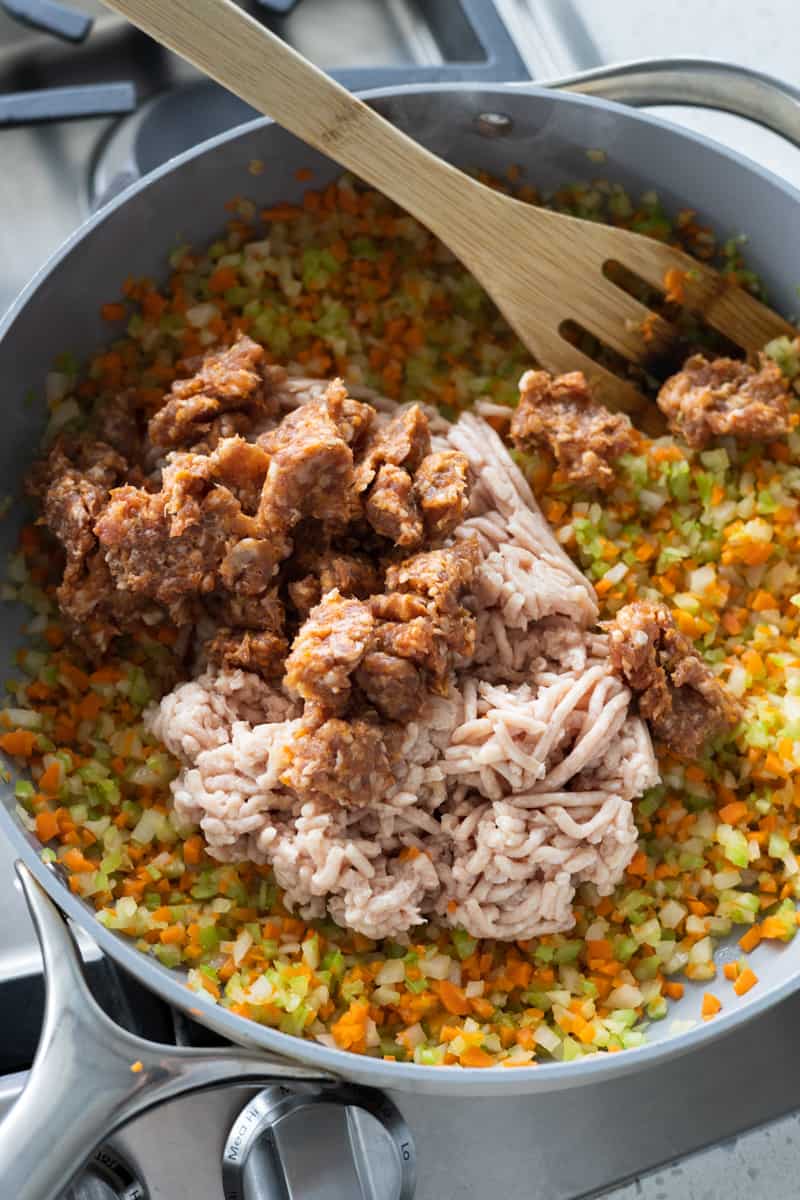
[698,82]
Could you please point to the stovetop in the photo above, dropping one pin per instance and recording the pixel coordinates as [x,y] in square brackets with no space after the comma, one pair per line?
[571,1144]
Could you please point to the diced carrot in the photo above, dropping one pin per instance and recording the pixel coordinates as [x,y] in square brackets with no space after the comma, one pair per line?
[20,742]
[763,601]
[453,998]
[753,662]
[193,850]
[731,814]
[473,1056]
[746,980]
[600,948]
[281,212]
[75,861]
[730,970]
[153,304]
[222,279]
[519,973]
[711,1005]
[482,1008]
[585,1033]
[113,312]
[46,826]
[773,927]
[673,990]
[638,864]
[173,935]
[750,939]
[164,913]
[674,284]
[51,778]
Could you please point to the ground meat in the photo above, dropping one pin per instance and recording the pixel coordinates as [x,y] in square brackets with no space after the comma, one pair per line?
[678,694]
[403,442]
[235,381]
[441,487]
[116,423]
[392,509]
[73,483]
[185,482]
[262,652]
[248,612]
[397,606]
[420,633]
[96,611]
[95,461]
[328,649]
[70,507]
[242,466]
[311,467]
[350,574]
[709,399]
[441,575]
[393,685]
[560,414]
[304,594]
[344,762]
[145,557]
[249,566]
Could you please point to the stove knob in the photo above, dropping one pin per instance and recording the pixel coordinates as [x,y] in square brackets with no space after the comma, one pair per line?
[342,1143]
[106,1176]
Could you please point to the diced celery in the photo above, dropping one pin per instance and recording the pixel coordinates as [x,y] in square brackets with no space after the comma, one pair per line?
[464,944]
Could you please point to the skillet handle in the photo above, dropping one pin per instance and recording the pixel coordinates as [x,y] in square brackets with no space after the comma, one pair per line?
[698,82]
[90,1076]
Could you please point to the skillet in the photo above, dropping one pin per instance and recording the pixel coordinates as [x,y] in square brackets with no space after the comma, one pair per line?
[546,131]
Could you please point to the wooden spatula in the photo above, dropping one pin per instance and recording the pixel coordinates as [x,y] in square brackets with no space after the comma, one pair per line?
[541,268]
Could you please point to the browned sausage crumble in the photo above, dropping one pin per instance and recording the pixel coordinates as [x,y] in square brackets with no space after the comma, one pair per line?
[708,399]
[284,541]
[678,694]
[560,415]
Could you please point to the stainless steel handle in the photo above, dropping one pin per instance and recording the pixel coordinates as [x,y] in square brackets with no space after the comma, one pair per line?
[700,82]
[90,1076]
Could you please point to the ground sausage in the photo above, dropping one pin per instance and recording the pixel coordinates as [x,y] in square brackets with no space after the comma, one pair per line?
[145,557]
[392,510]
[350,574]
[711,398]
[235,382]
[678,694]
[403,442]
[344,762]
[310,470]
[393,685]
[328,649]
[262,651]
[441,575]
[441,487]
[560,415]
[242,466]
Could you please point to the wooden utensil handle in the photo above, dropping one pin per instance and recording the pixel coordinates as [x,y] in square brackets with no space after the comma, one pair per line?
[226,43]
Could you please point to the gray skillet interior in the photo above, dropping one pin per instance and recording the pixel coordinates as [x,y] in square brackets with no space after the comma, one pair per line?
[184,202]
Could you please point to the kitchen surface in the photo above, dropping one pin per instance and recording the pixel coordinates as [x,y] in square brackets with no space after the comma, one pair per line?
[724,1122]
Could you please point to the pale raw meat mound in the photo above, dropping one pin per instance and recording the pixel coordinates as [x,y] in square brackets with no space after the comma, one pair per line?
[510,787]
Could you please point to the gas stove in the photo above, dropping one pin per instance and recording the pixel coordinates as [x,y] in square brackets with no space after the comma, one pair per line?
[87,105]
